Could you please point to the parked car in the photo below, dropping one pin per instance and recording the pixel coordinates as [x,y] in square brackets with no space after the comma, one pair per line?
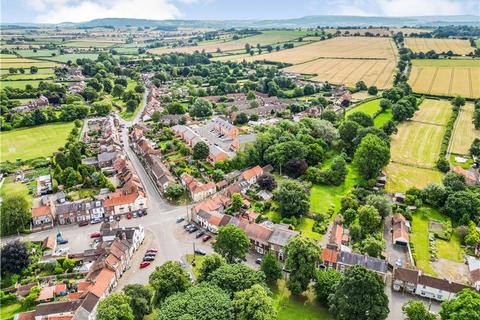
[152,250]
[117,218]
[188,225]
[83,223]
[258,261]
[134,214]
[206,237]
[140,214]
[182,264]
[95,221]
[192,229]
[62,241]
[199,234]
[129,216]
[180,219]
[200,252]
[96,235]
[144,264]
[148,258]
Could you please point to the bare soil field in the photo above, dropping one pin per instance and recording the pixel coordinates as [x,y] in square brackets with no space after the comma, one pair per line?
[457,46]
[348,71]
[464,131]
[446,77]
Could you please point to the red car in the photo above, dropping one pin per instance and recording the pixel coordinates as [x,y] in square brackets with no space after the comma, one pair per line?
[152,250]
[144,264]
[83,223]
[129,216]
[96,235]
[206,237]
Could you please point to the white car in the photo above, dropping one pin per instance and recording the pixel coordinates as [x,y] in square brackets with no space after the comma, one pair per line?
[62,252]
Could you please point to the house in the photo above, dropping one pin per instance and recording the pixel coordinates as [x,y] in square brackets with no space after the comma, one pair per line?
[225,128]
[159,172]
[134,235]
[44,184]
[217,154]
[123,204]
[329,258]
[50,243]
[42,216]
[400,230]
[348,259]
[251,175]
[104,283]
[399,197]
[106,159]
[259,236]
[197,190]
[46,294]
[405,280]
[470,176]
[474,269]
[279,238]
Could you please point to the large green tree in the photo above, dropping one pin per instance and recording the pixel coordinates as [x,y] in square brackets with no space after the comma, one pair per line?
[235,277]
[465,306]
[271,267]
[200,151]
[210,263]
[14,257]
[369,219]
[292,199]
[116,306]
[302,256]
[140,299]
[15,214]
[201,108]
[232,243]
[325,283]
[169,279]
[359,295]
[371,156]
[416,310]
[254,303]
[200,302]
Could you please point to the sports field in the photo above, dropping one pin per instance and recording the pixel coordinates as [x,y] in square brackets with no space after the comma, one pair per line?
[267,37]
[30,143]
[348,71]
[446,77]
[457,46]
[339,47]
[464,131]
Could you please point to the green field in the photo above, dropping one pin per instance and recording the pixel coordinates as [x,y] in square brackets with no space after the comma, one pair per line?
[369,107]
[383,118]
[88,44]
[450,250]
[20,84]
[12,188]
[37,53]
[8,312]
[34,142]
[401,177]
[64,58]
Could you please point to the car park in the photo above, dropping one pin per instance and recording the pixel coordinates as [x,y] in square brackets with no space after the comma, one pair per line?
[200,252]
[206,237]
[199,234]
[95,235]
[144,264]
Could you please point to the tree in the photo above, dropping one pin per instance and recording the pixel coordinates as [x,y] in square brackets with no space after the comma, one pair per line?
[372,246]
[434,195]
[115,306]
[235,277]
[176,108]
[241,118]
[381,203]
[385,104]
[200,151]
[140,299]
[254,304]
[302,256]
[348,132]
[267,182]
[462,206]
[472,238]
[15,213]
[373,90]
[475,148]
[201,108]
[465,306]
[156,115]
[454,181]
[296,167]
[360,85]
[361,118]
[200,302]
[68,264]
[131,105]
[458,101]
[174,191]
[118,90]
[359,295]
[271,267]
[102,108]
[416,310]
[369,219]
[168,279]
[14,257]
[237,202]
[232,243]
[292,199]
[325,283]
[33,69]
[210,263]
[371,156]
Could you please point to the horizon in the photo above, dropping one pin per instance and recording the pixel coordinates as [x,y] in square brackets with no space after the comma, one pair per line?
[77,11]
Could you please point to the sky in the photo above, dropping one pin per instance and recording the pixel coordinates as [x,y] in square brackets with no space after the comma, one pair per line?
[55,11]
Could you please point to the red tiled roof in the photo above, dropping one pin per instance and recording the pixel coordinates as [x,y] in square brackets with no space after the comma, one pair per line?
[29,315]
[215,220]
[329,255]
[469,176]
[124,199]
[400,231]
[102,282]
[83,286]
[46,293]
[41,211]
[59,288]
[50,242]
[258,232]
[74,295]
[252,172]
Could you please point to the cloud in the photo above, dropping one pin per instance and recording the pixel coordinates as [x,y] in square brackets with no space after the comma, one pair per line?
[422,7]
[55,11]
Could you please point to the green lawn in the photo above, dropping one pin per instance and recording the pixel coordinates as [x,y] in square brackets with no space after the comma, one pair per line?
[198,263]
[369,107]
[8,312]
[20,84]
[383,118]
[34,142]
[322,198]
[306,225]
[450,250]
[293,308]
[11,188]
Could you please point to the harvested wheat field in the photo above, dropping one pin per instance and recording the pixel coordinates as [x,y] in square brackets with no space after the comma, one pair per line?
[400,177]
[424,45]
[339,47]
[348,71]
[446,77]
[436,112]
[464,131]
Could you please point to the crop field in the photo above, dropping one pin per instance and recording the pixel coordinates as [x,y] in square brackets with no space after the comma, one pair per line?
[436,112]
[457,46]
[348,71]
[340,47]
[91,43]
[40,141]
[267,37]
[464,131]
[15,62]
[446,77]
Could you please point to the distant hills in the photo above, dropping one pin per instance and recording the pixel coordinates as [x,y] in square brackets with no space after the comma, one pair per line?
[308,21]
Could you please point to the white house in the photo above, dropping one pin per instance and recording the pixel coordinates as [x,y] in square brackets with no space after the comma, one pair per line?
[130,203]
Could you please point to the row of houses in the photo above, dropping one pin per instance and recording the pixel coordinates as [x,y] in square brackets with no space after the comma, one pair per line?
[37,103]
[112,258]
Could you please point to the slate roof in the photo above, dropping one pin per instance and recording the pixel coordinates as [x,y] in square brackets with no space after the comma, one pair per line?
[374,264]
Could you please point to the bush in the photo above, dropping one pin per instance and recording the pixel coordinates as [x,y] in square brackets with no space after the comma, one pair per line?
[7,298]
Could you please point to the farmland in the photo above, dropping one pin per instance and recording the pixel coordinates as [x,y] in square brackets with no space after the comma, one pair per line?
[416,147]
[15,62]
[446,77]
[21,83]
[30,143]
[424,45]
[464,131]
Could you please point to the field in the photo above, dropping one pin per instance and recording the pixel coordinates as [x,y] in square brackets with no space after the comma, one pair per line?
[30,143]
[267,37]
[416,147]
[73,57]
[446,77]
[21,83]
[340,47]
[15,62]
[424,45]
[371,107]
[383,118]
[91,43]
[464,131]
